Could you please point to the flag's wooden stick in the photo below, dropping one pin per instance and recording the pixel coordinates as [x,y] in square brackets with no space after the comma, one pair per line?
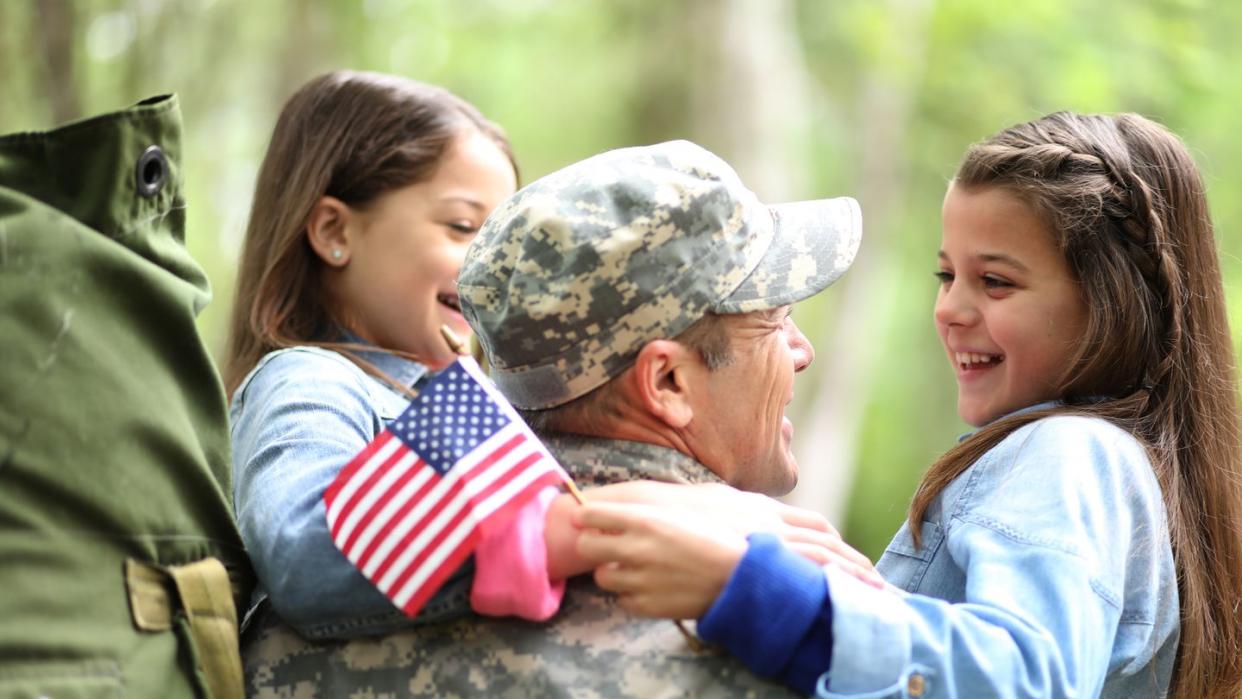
[455,343]
[691,640]
[573,490]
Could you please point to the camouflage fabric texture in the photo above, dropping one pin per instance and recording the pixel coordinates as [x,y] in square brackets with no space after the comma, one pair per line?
[573,274]
[591,648]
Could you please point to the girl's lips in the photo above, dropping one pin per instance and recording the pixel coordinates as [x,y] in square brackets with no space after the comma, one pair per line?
[457,319]
[453,317]
[970,373]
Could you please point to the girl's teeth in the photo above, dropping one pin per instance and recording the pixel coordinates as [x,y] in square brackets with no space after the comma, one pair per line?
[968,358]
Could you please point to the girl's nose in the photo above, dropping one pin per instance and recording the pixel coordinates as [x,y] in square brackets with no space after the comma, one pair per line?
[954,307]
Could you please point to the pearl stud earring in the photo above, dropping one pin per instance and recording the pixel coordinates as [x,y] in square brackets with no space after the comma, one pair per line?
[336,254]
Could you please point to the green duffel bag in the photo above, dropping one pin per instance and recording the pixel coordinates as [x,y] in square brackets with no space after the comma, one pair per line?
[121,568]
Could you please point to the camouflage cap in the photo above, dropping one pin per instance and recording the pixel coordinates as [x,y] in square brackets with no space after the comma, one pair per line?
[573,274]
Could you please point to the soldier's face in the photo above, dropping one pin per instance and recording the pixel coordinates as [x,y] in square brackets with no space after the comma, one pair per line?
[406,248]
[743,434]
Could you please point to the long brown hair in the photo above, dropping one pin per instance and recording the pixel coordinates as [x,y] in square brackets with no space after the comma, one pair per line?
[1127,205]
[350,135]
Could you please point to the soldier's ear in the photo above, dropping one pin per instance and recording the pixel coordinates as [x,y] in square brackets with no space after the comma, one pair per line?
[328,230]
[666,380]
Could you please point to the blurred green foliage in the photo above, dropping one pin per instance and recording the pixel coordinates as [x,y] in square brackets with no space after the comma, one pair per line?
[890,94]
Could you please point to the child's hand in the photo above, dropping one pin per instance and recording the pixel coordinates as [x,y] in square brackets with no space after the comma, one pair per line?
[661,561]
[729,509]
[670,559]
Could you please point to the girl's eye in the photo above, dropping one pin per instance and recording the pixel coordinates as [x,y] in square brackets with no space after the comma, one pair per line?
[992,282]
[463,227]
[944,277]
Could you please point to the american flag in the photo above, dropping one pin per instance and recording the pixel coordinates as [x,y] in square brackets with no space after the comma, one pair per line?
[410,508]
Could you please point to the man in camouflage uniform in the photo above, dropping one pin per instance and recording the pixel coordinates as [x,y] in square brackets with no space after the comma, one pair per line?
[575,286]
[121,563]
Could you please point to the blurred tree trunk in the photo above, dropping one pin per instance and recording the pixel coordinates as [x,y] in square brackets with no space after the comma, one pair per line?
[751,94]
[849,348]
[749,91]
[151,57]
[751,97]
[52,36]
[302,51]
[5,68]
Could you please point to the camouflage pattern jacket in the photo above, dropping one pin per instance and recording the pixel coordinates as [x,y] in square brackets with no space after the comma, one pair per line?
[591,648]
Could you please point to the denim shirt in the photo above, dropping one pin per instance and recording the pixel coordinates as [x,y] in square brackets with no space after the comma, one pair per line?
[1045,570]
[297,419]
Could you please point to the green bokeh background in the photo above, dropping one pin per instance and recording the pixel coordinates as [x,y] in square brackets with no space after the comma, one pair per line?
[808,98]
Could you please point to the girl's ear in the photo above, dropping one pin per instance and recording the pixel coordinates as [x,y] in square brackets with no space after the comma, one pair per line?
[327,230]
[666,381]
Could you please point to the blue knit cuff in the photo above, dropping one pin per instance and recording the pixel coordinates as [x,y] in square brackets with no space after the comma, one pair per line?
[772,612]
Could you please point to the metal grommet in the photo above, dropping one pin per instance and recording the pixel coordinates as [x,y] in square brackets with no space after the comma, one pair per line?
[151,172]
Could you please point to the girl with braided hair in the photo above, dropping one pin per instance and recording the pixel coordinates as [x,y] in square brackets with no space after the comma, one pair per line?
[1084,541]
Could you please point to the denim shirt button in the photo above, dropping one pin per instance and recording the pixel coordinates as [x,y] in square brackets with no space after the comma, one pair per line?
[915,686]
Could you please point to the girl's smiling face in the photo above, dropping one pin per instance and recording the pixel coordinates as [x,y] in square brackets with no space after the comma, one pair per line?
[1008,312]
[399,281]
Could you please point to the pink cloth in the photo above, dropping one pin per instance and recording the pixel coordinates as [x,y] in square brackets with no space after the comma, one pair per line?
[511,566]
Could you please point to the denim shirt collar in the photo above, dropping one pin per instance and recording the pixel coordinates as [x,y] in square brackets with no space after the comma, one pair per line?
[406,371]
[1030,408]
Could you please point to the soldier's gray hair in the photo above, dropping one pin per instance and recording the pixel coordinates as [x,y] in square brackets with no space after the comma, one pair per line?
[709,336]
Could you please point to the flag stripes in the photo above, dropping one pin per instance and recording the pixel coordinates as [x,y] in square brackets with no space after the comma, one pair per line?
[408,521]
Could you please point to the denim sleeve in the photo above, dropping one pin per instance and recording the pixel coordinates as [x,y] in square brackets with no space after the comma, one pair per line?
[299,419]
[1044,531]
[774,615]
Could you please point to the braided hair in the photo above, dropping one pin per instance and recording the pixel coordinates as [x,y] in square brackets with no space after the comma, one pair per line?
[1127,206]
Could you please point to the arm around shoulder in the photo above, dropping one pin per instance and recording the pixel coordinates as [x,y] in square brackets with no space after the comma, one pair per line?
[297,420]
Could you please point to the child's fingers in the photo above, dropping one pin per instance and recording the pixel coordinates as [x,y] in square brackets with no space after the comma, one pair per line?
[606,516]
[850,554]
[806,519]
[811,536]
[821,556]
[868,575]
[617,578]
[830,541]
[596,546]
[816,554]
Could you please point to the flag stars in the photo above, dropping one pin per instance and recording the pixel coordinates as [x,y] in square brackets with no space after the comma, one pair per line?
[451,416]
